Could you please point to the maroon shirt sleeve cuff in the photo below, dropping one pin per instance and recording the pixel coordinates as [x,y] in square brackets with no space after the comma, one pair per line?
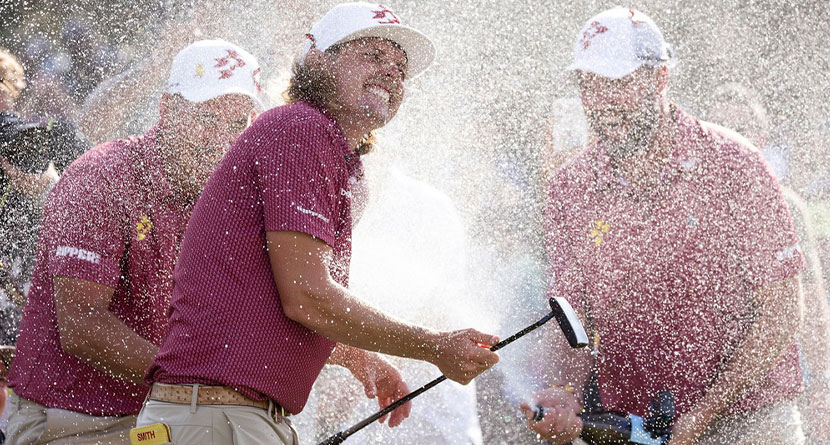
[106,272]
[307,226]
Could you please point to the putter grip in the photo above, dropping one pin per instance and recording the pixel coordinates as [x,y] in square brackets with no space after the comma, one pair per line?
[334,440]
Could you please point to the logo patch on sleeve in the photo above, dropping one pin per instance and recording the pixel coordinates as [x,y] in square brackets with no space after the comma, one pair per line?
[787,253]
[81,254]
[312,213]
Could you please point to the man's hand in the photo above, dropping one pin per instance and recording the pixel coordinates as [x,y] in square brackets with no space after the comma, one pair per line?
[561,423]
[32,185]
[463,355]
[688,428]
[88,330]
[380,379]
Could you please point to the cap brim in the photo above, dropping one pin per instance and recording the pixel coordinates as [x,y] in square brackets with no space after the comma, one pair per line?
[419,49]
[198,96]
[609,69]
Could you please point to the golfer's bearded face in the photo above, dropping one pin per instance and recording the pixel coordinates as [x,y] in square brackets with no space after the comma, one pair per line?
[201,133]
[622,113]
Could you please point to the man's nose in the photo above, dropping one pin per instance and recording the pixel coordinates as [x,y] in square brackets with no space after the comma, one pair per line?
[607,98]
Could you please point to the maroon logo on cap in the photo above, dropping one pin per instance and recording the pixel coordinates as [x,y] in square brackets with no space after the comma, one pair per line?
[391,20]
[256,79]
[593,30]
[227,66]
[634,22]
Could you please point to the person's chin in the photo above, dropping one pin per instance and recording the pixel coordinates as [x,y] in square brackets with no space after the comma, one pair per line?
[379,114]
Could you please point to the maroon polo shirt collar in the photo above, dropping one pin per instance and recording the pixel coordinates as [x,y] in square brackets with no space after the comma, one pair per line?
[683,158]
[350,155]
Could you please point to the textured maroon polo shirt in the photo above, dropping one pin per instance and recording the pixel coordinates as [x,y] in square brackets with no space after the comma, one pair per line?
[111,219]
[669,276]
[292,170]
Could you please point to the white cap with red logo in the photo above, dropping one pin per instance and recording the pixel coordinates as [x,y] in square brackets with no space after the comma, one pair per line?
[350,21]
[210,68]
[616,42]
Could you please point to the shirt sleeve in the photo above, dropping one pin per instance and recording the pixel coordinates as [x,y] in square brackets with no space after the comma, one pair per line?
[83,228]
[301,178]
[767,242]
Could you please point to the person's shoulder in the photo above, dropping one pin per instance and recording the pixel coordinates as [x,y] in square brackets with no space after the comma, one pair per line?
[729,155]
[108,160]
[298,114]
[111,152]
[297,126]
[721,143]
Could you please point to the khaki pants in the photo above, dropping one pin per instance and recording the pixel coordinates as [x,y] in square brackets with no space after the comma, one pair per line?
[219,424]
[33,424]
[778,424]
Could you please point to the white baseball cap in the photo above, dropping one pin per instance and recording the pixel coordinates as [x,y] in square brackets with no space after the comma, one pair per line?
[351,21]
[616,42]
[210,68]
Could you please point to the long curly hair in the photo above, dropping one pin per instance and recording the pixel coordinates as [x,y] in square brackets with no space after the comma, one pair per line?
[315,85]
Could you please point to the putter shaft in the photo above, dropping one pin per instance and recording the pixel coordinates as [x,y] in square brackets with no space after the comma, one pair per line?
[341,436]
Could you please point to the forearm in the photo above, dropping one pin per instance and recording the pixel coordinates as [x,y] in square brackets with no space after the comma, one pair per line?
[815,331]
[331,310]
[106,343]
[300,266]
[766,340]
[567,371]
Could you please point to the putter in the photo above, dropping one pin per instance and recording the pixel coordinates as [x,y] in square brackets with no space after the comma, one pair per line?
[560,309]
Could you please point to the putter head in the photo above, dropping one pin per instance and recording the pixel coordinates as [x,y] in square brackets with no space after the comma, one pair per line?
[569,322]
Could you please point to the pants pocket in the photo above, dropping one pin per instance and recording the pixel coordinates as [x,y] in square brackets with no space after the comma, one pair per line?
[252,426]
[186,428]
[26,423]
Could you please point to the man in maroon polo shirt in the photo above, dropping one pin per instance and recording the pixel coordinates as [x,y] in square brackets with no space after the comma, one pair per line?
[260,302]
[673,239]
[110,236]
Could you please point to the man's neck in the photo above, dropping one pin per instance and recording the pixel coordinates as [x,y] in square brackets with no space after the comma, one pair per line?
[354,128]
[166,145]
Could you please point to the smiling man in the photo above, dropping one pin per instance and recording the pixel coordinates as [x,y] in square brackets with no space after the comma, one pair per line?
[110,235]
[673,239]
[260,301]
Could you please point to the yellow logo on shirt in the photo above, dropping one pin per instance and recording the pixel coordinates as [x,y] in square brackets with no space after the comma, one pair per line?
[143,227]
[599,231]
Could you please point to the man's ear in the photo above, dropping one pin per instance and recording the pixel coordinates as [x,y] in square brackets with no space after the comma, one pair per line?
[315,57]
[167,105]
[171,106]
[662,77]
